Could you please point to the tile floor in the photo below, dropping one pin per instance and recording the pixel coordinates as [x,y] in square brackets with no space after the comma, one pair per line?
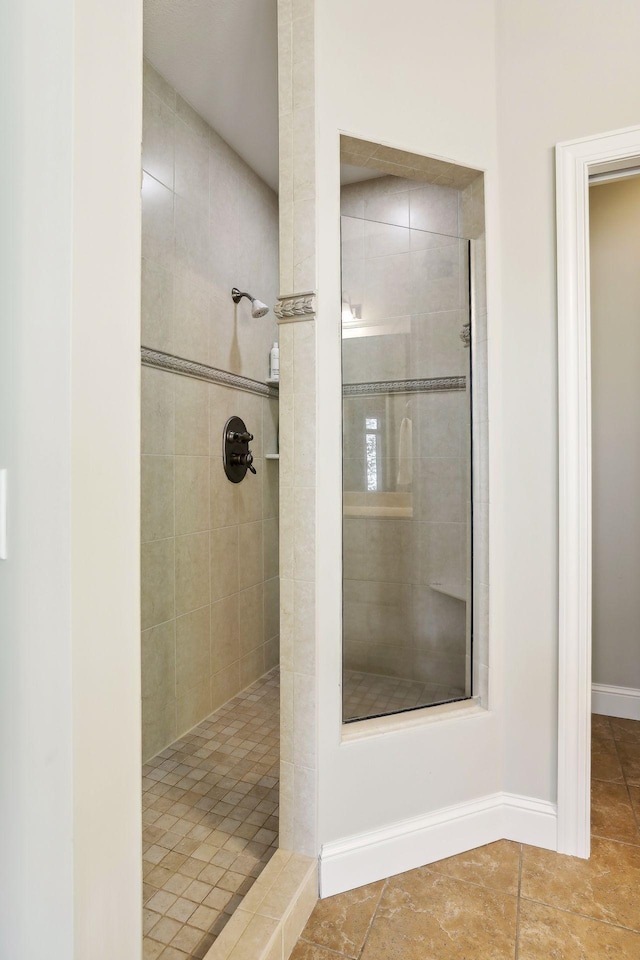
[210,822]
[370,695]
[508,901]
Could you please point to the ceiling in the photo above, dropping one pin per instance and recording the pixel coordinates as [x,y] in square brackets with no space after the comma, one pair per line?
[222,57]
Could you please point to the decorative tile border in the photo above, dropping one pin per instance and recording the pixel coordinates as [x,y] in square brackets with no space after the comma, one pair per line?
[200,371]
[431,385]
[296,306]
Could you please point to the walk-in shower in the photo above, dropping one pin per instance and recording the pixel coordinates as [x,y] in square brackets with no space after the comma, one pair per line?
[407,504]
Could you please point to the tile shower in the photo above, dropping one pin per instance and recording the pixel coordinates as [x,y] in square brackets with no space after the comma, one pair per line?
[209,555]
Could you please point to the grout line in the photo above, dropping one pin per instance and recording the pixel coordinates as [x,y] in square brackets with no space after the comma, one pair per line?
[373,917]
[517,943]
[323,947]
[584,916]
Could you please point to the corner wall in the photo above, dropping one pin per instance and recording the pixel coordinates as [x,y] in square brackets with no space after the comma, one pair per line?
[460,760]
[563,72]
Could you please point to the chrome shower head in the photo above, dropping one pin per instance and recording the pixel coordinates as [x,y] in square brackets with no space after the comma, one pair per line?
[258,308]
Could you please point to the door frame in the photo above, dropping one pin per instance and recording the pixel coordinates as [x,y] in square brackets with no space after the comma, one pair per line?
[576,160]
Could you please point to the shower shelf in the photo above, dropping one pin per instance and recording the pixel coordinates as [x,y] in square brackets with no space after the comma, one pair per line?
[455,590]
[272,456]
[272,382]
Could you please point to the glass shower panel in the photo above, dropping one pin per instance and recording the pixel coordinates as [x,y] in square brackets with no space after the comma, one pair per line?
[407,547]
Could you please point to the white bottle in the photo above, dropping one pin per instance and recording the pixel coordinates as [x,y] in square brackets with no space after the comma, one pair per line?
[274,362]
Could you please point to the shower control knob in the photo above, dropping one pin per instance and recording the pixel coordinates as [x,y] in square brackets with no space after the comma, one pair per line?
[243,460]
[244,437]
[236,455]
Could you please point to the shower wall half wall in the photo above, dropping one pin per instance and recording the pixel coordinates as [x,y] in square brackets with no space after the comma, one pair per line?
[210,598]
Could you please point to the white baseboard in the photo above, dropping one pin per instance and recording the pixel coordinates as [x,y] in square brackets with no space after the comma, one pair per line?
[366,857]
[622,702]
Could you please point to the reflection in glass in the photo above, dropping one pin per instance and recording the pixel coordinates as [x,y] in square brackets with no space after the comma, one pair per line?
[406,355]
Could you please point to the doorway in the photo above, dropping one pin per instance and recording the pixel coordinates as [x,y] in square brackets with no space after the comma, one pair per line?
[576,161]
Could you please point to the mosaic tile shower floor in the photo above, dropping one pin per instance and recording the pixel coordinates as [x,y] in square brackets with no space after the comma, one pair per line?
[210,822]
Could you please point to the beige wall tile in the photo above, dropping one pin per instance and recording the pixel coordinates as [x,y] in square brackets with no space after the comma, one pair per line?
[286,721]
[193,706]
[303,54]
[219,229]
[157,582]
[304,628]
[225,684]
[192,494]
[304,827]
[271,608]
[250,554]
[159,663]
[157,411]
[157,492]
[191,317]
[158,85]
[192,572]
[251,610]
[159,726]
[192,164]
[270,537]
[304,706]
[158,121]
[251,667]
[225,633]
[157,222]
[271,653]
[224,562]
[192,650]
[270,489]
[250,494]
[157,306]
[192,417]
[224,496]
[304,560]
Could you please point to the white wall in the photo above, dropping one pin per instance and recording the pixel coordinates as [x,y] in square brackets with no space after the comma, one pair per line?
[614,222]
[563,71]
[418,77]
[69,593]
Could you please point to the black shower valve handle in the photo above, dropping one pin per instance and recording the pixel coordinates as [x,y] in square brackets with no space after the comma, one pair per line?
[235,437]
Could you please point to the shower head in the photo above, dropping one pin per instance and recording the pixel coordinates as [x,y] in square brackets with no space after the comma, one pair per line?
[258,308]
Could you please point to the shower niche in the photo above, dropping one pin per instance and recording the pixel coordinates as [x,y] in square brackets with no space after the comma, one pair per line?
[410,244]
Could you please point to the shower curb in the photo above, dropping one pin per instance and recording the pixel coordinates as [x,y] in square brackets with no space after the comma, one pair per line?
[271,917]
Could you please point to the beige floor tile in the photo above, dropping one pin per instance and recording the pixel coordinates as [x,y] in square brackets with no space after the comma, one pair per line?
[311,951]
[634,794]
[605,764]
[601,727]
[494,865]
[611,812]
[626,729]
[423,915]
[605,887]
[341,922]
[629,754]
[549,934]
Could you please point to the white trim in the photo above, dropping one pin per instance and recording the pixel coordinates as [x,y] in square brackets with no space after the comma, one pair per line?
[622,702]
[574,161]
[366,857]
